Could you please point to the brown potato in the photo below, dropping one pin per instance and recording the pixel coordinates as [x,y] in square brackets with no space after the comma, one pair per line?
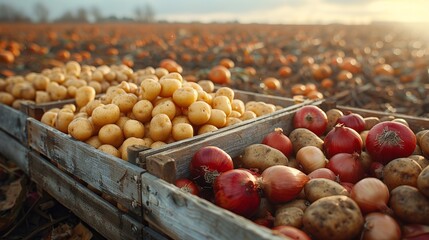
[290,216]
[125,102]
[422,161]
[334,218]
[401,171]
[424,144]
[41,97]
[49,118]
[333,115]
[7,98]
[160,127]
[371,122]
[318,188]
[94,141]
[80,129]
[111,134]
[63,119]
[109,149]
[301,137]
[84,95]
[423,182]
[133,128]
[105,114]
[262,156]
[409,205]
[132,141]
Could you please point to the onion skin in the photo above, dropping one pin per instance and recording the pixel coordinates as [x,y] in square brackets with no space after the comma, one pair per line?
[371,194]
[207,163]
[390,140]
[379,226]
[282,183]
[347,166]
[414,231]
[323,173]
[342,139]
[312,118]
[234,188]
[291,232]
[187,185]
[279,141]
[353,120]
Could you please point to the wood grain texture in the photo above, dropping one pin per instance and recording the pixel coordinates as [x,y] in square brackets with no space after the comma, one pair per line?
[102,171]
[91,208]
[13,150]
[13,122]
[184,216]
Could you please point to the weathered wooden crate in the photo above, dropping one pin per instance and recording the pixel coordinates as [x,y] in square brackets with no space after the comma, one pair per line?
[107,219]
[109,174]
[13,136]
[168,208]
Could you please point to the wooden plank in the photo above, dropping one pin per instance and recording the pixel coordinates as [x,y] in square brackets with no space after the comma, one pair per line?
[13,150]
[108,220]
[109,174]
[37,110]
[181,215]
[13,122]
[416,123]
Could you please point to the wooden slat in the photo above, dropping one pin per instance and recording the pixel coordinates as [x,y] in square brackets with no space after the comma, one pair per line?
[37,110]
[13,150]
[416,123]
[91,208]
[13,122]
[181,215]
[109,174]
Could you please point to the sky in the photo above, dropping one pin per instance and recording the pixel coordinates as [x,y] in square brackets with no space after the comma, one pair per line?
[249,11]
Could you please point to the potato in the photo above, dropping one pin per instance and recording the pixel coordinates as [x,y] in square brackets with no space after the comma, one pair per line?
[222,103]
[231,121]
[167,107]
[182,131]
[225,91]
[132,141]
[109,149]
[370,122]
[262,156]
[423,182]
[420,134]
[142,110]
[301,137]
[185,96]
[169,86]
[334,218]
[160,127]
[333,115]
[318,188]
[150,89]
[422,161]
[206,85]
[133,128]
[424,144]
[91,105]
[80,129]
[84,95]
[41,97]
[199,113]
[206,128]
[217,118]
[290,216]
[299,203]
[410,205]
[401,171]
[125,102]
[94,141]
[49,118]
[111,134]
[105,114]
[7,98]
[63,119]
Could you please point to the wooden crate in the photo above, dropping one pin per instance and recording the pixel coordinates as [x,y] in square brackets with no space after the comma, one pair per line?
[107,219]
[107,173]
[167,207]
[13,122]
